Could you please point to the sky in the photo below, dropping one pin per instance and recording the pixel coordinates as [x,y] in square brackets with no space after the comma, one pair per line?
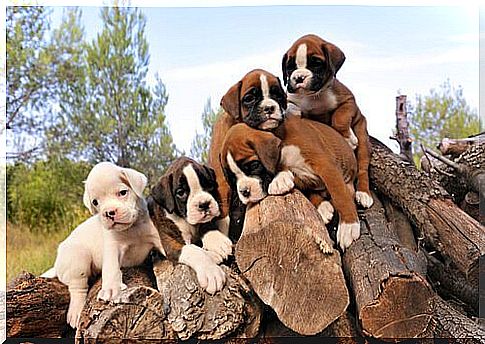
[200,52]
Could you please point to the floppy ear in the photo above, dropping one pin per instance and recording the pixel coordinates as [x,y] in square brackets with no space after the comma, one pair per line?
[283,66]
[285,104]
[211,174]
[135,180]
[162,193]
[230,101]
[268,148]
[87,200]
[337,57]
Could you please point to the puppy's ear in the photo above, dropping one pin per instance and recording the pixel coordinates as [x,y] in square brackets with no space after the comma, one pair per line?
[211,174]
[87,200]
[137,181]
[336,56]
[283,67]
[268,149]
[230,101]
[284,102]
[162,193]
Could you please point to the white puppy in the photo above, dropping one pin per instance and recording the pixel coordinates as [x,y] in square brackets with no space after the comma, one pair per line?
[119,234]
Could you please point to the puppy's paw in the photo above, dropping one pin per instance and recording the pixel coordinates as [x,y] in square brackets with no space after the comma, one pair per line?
[364,199]
[282,183]
[111,293]
[218,245]
[352,140]
[347,233]
[76,305]
[325,209]
[211,278]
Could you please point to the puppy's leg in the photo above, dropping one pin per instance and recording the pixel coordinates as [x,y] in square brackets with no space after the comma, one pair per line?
[282,183]
[219,245]
[342,120]
[210,276]
[324,207]
[363,195]
[112,283]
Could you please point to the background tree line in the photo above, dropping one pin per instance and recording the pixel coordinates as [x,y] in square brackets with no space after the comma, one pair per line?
[72,102]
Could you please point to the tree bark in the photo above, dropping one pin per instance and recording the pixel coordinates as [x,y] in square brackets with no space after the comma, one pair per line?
[402,130]
[192,313]
[287,256]
[443,226]
[36,307]
[141,315]
[455,147]
[393,298]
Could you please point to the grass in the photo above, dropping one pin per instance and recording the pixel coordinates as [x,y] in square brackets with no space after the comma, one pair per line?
[34,252]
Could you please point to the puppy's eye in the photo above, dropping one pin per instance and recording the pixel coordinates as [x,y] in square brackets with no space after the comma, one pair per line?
[95,202]
[249,98]
[123,192]
[180,193]
[315,62]
[291,65]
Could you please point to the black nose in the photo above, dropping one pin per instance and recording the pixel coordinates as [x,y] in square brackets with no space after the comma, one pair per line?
[269,109]
[245,192]
[204,206]
[299,79]
[110,213]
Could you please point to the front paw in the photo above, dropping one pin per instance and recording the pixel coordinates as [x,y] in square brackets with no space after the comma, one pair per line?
[364,199]
[211,277]
[347,233]
[282,183]
[218,245]
[111,293]
[76,305]
[352,140]
[325,209]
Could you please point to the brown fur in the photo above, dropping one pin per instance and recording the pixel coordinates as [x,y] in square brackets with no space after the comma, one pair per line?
[341,115]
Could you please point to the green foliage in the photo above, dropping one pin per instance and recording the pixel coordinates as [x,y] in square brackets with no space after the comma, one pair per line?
[109,112]
[442,113]
[199,149]
[46,196]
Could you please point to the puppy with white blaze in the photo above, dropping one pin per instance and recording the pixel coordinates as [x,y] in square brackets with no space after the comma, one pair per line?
[184,206]
[119,234]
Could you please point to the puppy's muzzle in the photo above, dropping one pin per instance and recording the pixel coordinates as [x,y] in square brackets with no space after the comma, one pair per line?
[301,78]
[245,192]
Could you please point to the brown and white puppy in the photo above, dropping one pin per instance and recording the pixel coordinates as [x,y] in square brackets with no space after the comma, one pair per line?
[184,208]
[258,100]
[324,163]
[309,70]
[119,234]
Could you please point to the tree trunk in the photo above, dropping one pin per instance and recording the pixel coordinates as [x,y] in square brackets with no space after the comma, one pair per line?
[402,130]
[444,227]
[36,307]
[286,254]
[141,315]
[193,313]
[393,299]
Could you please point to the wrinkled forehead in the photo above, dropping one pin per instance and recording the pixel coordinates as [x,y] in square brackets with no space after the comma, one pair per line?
[310,45]
[258,79]
[104,182]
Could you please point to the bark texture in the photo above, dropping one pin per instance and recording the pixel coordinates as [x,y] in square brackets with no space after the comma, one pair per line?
[287,256]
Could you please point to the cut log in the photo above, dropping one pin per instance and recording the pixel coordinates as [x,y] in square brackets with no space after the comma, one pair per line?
[193,313]
[141,315]
[443,226]
[455,147]
[287,256]
[36,307]
[393,298]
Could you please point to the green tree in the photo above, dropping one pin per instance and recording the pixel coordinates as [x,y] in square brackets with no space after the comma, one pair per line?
[199,149]
[110,113]
[441,113]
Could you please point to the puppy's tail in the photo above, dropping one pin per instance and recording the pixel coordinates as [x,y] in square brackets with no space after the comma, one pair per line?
[51,273]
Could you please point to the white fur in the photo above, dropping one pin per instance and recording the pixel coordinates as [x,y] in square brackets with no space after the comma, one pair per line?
[198,196]
[210,276]
[253,185]
[282,183]
[347,233]
[217,243]
[101,243]
[267,101]
[352,140]
[325,209]
[187,230]
[364,199]
[223,225]
[292,160]
[301,71]
[301,58]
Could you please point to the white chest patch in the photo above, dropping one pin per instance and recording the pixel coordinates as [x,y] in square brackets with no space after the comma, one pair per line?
[187,230]
[329,99]
[301,58]
[292,159]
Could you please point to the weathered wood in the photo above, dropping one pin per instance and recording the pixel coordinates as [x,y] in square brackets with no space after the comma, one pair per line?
[455,147]
[443,226]
[393,299]
[36,307]
[402,130]
[286,254]
[141,315]
[193,313]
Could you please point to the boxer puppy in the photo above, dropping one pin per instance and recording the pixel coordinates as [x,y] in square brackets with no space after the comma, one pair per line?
[119,234]
[324,163]
[309,70]
[184,207]
[258,100]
